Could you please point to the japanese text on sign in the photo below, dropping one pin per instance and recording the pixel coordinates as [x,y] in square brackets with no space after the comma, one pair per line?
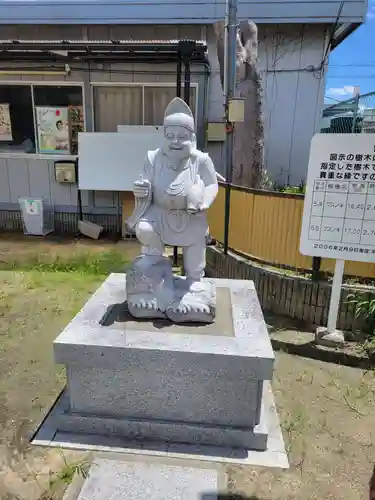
[339,210]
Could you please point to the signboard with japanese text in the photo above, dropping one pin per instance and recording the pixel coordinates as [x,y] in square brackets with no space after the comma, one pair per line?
[368,121]
[339,210]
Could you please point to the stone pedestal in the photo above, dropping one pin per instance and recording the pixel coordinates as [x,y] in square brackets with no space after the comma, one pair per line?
[155,380]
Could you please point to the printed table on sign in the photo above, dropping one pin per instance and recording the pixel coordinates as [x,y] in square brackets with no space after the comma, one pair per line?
[339,211]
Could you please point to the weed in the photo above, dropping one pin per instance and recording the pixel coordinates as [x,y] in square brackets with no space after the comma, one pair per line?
[59,482]
[65,476]
[365,310]
[68,472]
[293,426]
[287,189]
[347,401]
[306,378]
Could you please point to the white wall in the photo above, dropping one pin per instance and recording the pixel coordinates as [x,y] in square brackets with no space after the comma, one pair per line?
[293,100]
[293,97]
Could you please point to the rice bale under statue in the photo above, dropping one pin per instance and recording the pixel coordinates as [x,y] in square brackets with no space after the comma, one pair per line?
[177,186]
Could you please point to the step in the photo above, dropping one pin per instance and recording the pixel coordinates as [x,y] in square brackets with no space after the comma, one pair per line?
[151,480]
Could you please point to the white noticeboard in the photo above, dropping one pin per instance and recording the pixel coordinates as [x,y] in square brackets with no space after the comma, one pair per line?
[113,161]
[339,210]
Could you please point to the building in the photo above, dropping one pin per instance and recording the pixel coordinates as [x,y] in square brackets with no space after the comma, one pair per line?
[39,69]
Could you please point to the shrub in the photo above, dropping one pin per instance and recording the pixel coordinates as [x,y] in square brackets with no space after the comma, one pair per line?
[365,310]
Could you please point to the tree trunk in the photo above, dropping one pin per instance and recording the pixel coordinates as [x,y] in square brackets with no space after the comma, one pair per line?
[248,147]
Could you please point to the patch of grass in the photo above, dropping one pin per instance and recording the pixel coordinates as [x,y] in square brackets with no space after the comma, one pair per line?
[326,414]
[43,284]
[34,307]
[79,262]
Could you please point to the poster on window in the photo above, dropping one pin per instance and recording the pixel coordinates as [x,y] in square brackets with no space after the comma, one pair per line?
[5,123]
[53,130]
[76,125]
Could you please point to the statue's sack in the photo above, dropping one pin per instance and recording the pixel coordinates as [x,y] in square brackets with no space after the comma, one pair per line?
[195,196]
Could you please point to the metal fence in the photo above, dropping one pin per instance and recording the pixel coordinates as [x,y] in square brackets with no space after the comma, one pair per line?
[266,226]
[356,115]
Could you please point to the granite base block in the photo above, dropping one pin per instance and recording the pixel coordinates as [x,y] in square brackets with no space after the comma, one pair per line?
[48,435]
[197,384]
[175,390]
[124,370]
[254,438]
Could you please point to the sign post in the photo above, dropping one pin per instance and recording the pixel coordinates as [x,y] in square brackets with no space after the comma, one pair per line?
[335,296]
[339,210]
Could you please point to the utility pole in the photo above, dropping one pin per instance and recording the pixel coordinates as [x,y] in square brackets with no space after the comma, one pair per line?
[355,113]
[230,56]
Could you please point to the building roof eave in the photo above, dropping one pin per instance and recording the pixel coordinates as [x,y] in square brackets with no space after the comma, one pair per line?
[342,32]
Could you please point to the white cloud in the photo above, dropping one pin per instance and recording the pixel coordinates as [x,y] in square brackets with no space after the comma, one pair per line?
[371,10]
[346,91]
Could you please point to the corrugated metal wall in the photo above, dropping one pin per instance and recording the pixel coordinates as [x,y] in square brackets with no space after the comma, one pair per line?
[267,227]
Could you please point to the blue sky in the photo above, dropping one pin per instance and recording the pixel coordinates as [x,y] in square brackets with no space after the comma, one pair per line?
[353,62]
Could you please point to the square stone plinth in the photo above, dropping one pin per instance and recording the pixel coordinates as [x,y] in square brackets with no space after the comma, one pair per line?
[153,379]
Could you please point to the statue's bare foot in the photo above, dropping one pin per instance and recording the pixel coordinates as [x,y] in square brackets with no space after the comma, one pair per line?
[194,304]
[149,286]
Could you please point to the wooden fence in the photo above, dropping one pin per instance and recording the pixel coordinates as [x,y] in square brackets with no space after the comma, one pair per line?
[266,226]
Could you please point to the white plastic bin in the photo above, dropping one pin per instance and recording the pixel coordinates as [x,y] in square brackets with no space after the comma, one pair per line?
[38,218]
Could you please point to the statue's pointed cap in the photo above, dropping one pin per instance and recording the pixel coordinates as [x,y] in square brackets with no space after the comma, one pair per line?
[179,113]
[177,105]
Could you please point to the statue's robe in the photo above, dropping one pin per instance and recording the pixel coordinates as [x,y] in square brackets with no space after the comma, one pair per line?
[171,186]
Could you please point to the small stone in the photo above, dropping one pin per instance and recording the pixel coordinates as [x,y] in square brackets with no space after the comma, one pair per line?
[333,339]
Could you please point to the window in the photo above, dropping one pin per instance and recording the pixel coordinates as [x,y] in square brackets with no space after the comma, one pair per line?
[17,118]
[132,105]
[157,99]
[61,95]
[59,118]
[117,106]
[53,124]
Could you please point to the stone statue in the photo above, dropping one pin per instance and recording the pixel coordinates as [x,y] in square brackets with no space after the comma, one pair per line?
[177,186]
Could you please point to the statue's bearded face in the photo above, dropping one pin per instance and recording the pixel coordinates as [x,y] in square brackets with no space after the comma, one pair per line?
[178,142]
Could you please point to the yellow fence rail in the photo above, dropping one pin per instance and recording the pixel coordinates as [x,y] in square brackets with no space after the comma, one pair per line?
[266,226]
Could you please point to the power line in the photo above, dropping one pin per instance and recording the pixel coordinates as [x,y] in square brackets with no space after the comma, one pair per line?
[367,65]
[351,76]
[332,98]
